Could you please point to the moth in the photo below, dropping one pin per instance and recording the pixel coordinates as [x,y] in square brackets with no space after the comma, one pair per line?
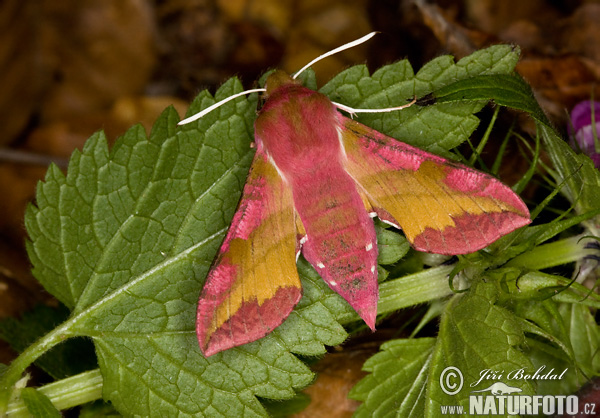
[316,180]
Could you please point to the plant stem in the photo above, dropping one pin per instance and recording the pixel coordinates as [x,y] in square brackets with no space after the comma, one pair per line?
[485,138]
[65,393]
[15,370]
[413,289]
[554,254]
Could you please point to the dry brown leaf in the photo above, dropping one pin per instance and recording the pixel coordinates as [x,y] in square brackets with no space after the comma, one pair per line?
[22,79]
[97,51]
[321,29]
[493,16]
[581,33]
[559,83]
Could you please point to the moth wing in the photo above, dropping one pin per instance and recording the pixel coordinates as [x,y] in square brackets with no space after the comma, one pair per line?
[253,284]
[443,207]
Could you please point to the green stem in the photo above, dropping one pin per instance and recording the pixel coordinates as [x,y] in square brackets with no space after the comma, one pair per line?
[15,370]
[66,393]
[413,289]
[485,138]
[554,254]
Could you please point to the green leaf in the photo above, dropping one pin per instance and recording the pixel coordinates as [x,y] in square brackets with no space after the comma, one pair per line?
[543,321]
[392,246]
[584,335]
[577,170]
[436,128]
[536,285]
[475,335]
[508,90]
[398,375]
[38,404]
[283,409]
[441,71]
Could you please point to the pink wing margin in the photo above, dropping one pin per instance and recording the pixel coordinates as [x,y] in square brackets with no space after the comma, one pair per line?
[253,284]
[443,207]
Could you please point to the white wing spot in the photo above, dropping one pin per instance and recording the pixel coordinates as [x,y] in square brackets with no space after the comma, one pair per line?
[373,269]
[333,283]
[369,246]
[372,214]
[320,265]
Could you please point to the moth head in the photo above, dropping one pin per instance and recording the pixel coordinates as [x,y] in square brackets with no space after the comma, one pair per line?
[277,79]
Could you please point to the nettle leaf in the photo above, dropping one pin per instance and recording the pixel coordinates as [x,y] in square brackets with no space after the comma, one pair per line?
[436,128]
[583,335]
[577,170]
[476,335]
[126,238]
[391,246]
[283,409]
[398,375]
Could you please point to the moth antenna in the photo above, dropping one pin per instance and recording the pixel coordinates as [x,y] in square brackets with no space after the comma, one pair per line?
[216,105]
[354,111]
[335,51]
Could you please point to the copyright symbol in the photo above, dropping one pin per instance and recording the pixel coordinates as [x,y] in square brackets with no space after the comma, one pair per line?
[451,380]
